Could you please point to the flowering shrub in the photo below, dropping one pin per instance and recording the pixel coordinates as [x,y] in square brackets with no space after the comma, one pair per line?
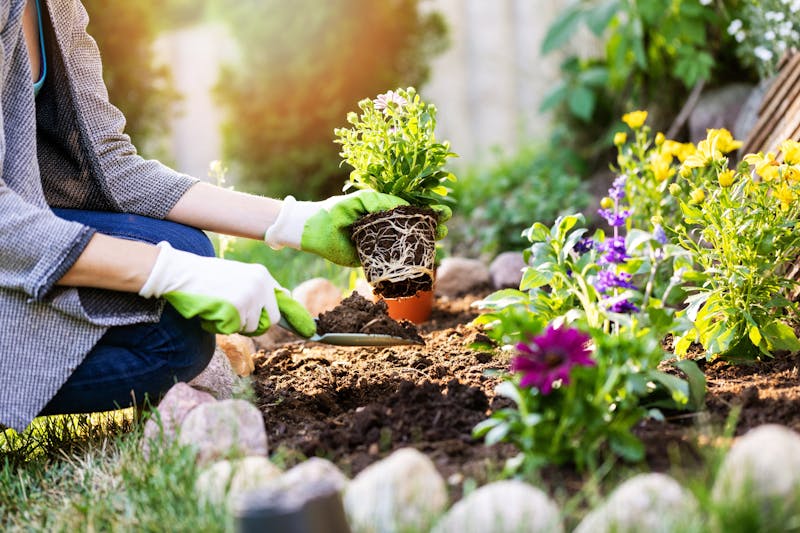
[392,148]
[740,226]
[764,31]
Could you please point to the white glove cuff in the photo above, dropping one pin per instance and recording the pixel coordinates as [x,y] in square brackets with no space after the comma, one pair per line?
[153,286]
[288,228]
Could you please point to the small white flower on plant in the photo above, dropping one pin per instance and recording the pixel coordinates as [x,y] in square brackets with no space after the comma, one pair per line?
[740,36]
[762,53]
[383,100]
[734,26]
[706,2]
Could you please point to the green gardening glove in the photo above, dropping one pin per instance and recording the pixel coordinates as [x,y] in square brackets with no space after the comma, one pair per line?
[323,228]
[227,296]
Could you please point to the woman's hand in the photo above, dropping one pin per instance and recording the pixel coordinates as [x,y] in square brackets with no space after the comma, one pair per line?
[228,296]
[323,228]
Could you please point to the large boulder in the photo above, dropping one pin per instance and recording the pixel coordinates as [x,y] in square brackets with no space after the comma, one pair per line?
[313,470]
[500,507]
[647,502]
[225,429]
[225,480]
[457,276]
[403,492]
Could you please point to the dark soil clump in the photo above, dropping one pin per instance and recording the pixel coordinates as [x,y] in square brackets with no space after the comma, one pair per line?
[356,314]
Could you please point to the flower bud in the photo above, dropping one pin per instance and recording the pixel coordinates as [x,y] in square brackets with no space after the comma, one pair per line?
[697,196]
[620,138]
[660,138]
[725,179]
[607,203]
[685,171]
[674,189]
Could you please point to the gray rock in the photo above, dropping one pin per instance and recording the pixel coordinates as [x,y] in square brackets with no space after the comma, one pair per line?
[500,507]
[403,492]
[718,108]
[174,407]
[225,429]
[762,467]
[646,502]
[506,270]
[218,377]
[312,470]
[225,480]
[457,276]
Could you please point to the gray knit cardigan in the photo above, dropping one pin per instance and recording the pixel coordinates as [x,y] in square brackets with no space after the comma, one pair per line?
[64,149]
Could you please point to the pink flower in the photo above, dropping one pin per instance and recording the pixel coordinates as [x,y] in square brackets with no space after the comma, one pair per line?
[550,356]
[383,100]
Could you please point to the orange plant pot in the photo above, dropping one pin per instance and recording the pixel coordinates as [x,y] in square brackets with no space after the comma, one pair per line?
[416,309]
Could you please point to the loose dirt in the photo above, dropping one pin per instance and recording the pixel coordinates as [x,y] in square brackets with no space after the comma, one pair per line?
[356,405]
[356,314]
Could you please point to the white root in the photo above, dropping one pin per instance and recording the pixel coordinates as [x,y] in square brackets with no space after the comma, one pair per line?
[397,242]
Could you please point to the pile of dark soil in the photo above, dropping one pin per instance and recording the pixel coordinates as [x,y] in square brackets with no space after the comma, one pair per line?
[356,314]
[356,405]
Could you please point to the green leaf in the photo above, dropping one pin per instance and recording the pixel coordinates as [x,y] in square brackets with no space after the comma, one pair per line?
[697,384]
[497,434]
[562,30]
[536,233]
[594,77]
[598,18]
[627,446]
[554,97]
[509,390]
[533,278]
[781,337]
[485,426]
[582,102]
[755,335]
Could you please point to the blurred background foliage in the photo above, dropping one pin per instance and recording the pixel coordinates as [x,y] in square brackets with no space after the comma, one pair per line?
[304,64]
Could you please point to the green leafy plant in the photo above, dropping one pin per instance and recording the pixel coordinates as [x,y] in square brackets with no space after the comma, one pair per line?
[740,226]
[577,396]
[392,148]
[498,200]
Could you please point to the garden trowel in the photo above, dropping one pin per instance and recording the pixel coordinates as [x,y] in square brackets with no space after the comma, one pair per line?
[351,339]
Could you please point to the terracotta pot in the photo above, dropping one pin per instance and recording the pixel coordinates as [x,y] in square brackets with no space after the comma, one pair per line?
[416,309]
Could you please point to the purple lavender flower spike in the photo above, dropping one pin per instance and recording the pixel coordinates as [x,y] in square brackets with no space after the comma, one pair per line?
[617,190]
[613,217]
[623,306]
[549,357]
[607,280]
[614,251]
[660,235]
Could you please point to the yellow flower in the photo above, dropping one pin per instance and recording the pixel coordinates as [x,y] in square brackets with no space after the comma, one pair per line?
[723,140]
[785,195]
[679,150]
[662,167]
[705,154]
[791,151]
[634,119]
[726,178]
[674,189]
[606,203]
[697,196]
[620,138]
[660,139]
[766,166]
[791,173]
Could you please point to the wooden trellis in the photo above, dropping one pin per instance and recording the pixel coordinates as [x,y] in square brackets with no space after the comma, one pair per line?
[779,114]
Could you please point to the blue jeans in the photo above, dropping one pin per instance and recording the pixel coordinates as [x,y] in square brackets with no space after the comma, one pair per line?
[138,361]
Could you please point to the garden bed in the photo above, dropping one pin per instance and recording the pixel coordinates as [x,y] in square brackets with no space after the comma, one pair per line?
[356,405]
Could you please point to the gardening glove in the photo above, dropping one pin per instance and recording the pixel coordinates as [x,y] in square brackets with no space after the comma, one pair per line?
[323,227]
[228,296]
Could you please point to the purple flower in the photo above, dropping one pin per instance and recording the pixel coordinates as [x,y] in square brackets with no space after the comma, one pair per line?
[607,280]
[383,100]
[615,218]
[614,251]
[550,356]
[623,306]
[660,235]
[584,245]
[617,190]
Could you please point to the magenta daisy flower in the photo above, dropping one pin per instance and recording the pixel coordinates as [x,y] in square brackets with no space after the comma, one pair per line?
[383,100]
[550,356]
